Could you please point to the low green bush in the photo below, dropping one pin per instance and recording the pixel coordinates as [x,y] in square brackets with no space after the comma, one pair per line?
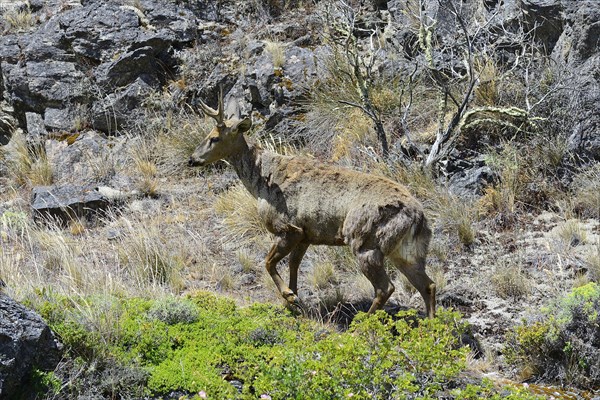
[204,345]
[564,346]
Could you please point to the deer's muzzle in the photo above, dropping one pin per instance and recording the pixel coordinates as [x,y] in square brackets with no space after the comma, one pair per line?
[192,162]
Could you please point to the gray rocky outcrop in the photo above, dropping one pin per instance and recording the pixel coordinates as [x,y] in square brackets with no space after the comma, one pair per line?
[84,57]
[26,343]
[578,51]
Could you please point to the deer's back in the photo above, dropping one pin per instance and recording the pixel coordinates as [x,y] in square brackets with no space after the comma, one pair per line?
[333,205]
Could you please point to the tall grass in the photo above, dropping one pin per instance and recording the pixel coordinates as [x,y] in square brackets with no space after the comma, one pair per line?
[239,211]
[27,164]
[41,257]
[143,155]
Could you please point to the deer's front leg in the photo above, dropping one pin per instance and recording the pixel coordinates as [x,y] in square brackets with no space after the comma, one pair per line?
[282,247]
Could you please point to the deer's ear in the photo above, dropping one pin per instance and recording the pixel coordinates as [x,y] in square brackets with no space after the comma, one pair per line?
[245,125]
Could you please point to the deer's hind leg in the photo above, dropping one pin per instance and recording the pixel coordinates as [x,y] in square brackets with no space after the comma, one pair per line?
[284,245]
[416,275]
[294,261]
[372,266]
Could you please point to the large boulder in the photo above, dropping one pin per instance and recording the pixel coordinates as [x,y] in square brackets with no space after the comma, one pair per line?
[26,343]
[578,51]
[64,203]
[92,53]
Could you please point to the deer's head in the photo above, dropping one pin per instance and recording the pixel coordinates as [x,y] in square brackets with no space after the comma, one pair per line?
[225,138]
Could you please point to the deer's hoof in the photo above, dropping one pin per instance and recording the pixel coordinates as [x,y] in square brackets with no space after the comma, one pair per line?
[294,304]
[290,297]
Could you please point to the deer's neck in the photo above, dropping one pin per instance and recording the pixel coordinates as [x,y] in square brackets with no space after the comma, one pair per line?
[247,163]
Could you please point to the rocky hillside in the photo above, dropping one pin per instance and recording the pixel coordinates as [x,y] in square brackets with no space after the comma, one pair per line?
[489,111]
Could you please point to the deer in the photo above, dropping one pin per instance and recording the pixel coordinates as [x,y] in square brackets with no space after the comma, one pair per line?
[305,202]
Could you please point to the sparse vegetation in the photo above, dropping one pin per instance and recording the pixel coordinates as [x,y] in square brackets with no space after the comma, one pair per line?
[586,188]
[144,156]
[323,275]
[571,233]
[148,260]
[563,345]
[510,282]
[277,52]
[593,261]
[27,162]
[18,18]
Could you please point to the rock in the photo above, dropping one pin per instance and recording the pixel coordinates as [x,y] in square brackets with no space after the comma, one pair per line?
[543,18]
[468,176]
[578,51]
[472,182]
[26,343]
[62,204]
[128,67]
[86,53]
[121,110]
[59,119]
[113,234]
[36,131]
[35,85]
[86,159]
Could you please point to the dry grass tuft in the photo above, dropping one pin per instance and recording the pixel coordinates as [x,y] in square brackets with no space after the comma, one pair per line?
[513,179]
[148,258]
[240,215]
[593,263]
[28,165]
[487,92]
[586,189]
[277,52]
[510,283]
[144,156]
[60,253]
[247,261]
[572,233]
[179,139]
[224,278]
[19,20]
[323,275]
[528,176]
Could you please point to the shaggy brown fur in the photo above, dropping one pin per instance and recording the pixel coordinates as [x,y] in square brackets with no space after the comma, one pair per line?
[304,202]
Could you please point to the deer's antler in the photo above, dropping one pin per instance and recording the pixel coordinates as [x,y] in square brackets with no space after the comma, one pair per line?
[211,112]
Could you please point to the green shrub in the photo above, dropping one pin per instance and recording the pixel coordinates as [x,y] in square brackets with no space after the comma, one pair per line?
[565,345]
[45,381]
[203,344]
[376,358]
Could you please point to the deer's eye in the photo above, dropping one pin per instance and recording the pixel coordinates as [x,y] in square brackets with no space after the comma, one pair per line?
[214,140]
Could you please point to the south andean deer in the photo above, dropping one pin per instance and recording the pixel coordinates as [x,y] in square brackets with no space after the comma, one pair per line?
[303,202]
